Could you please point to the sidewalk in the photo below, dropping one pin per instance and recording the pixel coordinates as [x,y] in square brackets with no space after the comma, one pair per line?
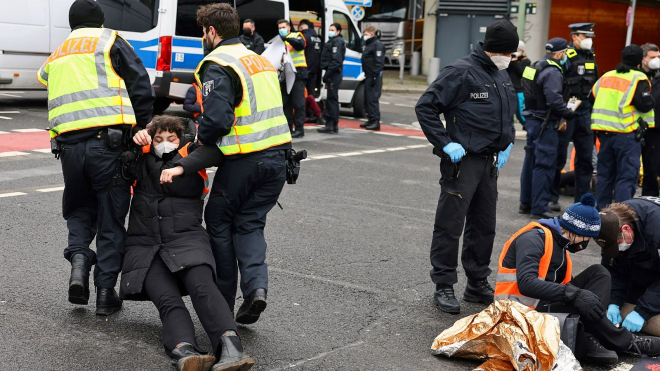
[411,84]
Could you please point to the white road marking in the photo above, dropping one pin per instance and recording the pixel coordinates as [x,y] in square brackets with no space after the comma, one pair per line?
[5,112]
[364,120]
[369,151]
[396,149]
[390,134]
[381,102]
[4,132]
[416,124]
[43,150]
[12,194]
[418,146]
[13,153]
[404,105]
[11,95]
[54,189]
[346,154]
[5,118]
[321,157]
[28,130]
[422,138]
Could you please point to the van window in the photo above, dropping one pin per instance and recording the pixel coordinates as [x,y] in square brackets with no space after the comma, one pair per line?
[130,15]
[265,15]
[348,31]
[186,16]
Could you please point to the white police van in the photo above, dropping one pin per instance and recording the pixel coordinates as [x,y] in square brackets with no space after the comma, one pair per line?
[165,35]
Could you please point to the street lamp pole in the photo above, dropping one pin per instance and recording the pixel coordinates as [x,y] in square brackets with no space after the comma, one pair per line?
[632,22]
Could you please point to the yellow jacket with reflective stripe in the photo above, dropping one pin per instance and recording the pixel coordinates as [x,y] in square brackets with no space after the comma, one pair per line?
[84,91]
[613,109]
[259,118]
[298,56]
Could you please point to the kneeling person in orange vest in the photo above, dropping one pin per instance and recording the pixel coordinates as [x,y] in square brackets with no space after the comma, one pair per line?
[535,269]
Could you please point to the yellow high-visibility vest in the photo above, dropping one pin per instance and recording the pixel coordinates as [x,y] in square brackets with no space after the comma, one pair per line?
[259,118]
[84,91]
[613,109]
[298,56]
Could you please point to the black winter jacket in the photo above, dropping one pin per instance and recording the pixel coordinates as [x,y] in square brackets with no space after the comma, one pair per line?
[312,49]
[166,220]
[478,102]
[332,58]
[373,57]
[515,71]
[254,42]
[550,83]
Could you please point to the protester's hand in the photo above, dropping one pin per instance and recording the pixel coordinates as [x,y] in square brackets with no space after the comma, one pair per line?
[455,151]
[503,156]
[614,314]
[588,304]
[167,175]
[633,322]
[142,137]
[562,127]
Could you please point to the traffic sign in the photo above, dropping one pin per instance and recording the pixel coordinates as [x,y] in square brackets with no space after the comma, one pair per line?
[359,2]
[358,13]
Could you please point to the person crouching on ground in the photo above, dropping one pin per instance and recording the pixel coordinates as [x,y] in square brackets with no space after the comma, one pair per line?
[168,253]
[535,269]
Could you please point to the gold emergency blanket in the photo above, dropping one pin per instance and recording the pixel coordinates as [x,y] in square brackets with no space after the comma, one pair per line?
[509,336]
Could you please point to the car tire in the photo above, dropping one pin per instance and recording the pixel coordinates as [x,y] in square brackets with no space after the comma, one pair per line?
[358,102]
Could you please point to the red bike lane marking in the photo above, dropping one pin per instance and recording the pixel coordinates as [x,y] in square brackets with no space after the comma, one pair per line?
[11,142]
[349,124]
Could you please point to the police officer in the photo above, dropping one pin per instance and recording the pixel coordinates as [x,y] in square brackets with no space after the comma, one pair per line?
[253,138]
[332,61]
[92,109]
[544,107]
[651,148]
[312,54]
[294,101]
[619,99]
[478,102]
[251,39]
[580,75]
[373,60]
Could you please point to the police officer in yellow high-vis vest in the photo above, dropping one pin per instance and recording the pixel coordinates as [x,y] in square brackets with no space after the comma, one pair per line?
[99,94]
[242,115]
[619,99]
[294,101]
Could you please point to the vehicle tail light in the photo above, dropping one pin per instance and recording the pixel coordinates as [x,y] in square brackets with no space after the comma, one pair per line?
[164,61]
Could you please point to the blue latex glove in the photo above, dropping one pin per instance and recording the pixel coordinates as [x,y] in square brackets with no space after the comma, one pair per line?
[503,157]
[455,151]
[614,314]
[633,322]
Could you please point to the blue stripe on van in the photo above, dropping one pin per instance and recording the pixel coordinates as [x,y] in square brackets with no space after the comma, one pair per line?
[352,70]
[188,58]
[148,57]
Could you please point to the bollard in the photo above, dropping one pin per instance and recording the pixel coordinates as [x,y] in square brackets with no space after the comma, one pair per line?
[434,70]
[402,66]
[415,63]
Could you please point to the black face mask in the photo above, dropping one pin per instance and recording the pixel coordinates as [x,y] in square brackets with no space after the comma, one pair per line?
[575,247]
[247,32]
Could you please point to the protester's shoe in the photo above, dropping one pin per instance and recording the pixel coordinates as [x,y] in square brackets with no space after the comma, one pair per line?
[479,292]
[644,346]
[252,307]
[544,215]
[311,120]
[445,299]
[375,126]
[107,301]
[79,280]
[232,357]
[297,134]
[525,208]
[554,206]
[328,129]
[366,123]
[186,358]
[598,354]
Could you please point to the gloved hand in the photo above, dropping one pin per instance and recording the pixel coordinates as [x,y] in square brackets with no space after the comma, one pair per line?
[503,156]
[585,301]
[614,314]
[372,83]
[326,78]
[633,322]
[455,151]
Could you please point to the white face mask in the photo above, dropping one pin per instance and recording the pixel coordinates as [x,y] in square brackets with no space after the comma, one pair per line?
[654,64]
[586,44]
[501,61]
[164,147]
[623,246]
[365,37]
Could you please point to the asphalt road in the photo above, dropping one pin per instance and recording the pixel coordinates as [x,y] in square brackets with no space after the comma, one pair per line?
[348,257]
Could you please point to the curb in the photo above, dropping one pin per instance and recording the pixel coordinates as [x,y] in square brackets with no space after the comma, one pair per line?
[397,89]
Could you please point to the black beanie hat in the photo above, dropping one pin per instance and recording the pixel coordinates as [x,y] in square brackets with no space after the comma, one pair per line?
[632,55]
[86,13]
[501,37]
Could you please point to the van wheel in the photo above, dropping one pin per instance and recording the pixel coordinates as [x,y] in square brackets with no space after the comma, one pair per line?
[358,102]
[160,105]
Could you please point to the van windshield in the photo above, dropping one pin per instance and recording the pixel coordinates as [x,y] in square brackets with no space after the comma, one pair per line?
[186,16]
[387,10]
[130,15]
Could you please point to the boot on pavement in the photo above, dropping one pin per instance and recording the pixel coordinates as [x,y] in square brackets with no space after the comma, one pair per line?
[186,358]
[79,280]
[479,292]
[107,301]
[597,354]
[525,208]
[544,215]
[554,206]
[445,299]
[644,346]
[252,307]
[232,357]
[375,126]
[297,134]
[320,121]
[366,123]
[328,129]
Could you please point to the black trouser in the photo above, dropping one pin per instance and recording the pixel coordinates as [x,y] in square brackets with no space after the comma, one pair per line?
[468,201]
[651,162]
[578,129]
[371,96]
[596,279]
[312,76]
[294,104]
[245,189]
[162,287]
[92,209]
[332,101]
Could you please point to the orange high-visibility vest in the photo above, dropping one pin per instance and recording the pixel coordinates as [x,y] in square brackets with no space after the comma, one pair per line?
[184,153]
[199,100]
[507,283]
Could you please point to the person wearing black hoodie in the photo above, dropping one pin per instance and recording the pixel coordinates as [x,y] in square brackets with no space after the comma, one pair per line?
[250,38]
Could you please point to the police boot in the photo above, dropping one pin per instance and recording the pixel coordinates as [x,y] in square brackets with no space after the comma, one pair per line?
[554,206]
[375,126]
[479,292]
[544,215]
[336,128]
[321,121]
[644,346]
[186,358]
[297,134]
[231,354]
[252,307]
[445,299]
[79,280]
[598,354]
[107,301]
[366,123]
[328,129]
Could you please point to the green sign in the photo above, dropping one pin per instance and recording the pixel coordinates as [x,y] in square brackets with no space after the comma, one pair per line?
[530,8]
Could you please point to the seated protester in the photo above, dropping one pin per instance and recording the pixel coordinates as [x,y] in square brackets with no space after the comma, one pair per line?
[193,101]
[168,253]
[630,237]
[535,269]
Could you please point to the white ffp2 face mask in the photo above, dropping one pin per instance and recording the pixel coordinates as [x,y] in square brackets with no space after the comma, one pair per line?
[654,63]
[164,147]
[587,43]
[623,246]
[501,61]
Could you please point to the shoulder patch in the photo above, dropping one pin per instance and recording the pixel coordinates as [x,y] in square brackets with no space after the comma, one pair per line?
[208,87]
[379,53]
[334,50]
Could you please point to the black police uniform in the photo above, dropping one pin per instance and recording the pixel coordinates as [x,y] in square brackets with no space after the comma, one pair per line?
[253,42]
[96,197]
[651,149]
[332,61]
[294,101]
[478,102]
[373,61]
[313,58]
[244,190]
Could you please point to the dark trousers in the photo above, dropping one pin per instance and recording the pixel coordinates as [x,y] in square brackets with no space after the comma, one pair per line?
[596,279]
[371,96]
[332,101]
[311,83]
[651,162]
[618,167]
[538,170]
[245,189]
[92,209]
[162,287]
[294,104]
[470,202]
[578,129]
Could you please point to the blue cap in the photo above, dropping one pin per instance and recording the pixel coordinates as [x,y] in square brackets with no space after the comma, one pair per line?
[584,28]
[582,218]
[555,45]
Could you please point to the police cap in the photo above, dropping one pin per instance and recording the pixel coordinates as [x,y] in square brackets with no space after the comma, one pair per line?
[584,28]
[555,45]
